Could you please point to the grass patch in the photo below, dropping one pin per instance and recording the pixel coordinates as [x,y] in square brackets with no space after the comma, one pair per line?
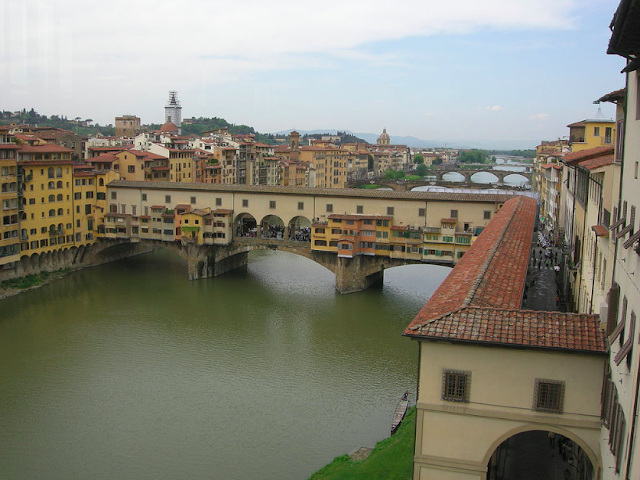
[391,459]
[368,186]
[32,280]
[413,177]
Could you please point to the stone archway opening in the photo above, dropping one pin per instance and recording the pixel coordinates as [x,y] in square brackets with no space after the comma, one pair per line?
[245,225]
[300,229]
[484,177]
[272,226]
[515,179]
[537,454]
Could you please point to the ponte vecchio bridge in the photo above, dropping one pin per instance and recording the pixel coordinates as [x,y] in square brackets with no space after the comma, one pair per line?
[215,226]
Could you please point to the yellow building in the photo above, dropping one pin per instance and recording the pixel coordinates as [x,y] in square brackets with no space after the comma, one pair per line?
[11,205]
[139,165]
[48,219]
[330,165]
[591,133]
[90,201]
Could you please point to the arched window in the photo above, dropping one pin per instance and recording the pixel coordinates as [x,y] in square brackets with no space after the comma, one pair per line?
[52,227]
[52,185]
[59,197]
[60,184]
[101,182]
[60,211]
[52,198]
[60,227]
[50,172]
[52,213]
[58,172]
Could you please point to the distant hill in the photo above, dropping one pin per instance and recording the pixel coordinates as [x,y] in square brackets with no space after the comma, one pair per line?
[419,143]
[77,125]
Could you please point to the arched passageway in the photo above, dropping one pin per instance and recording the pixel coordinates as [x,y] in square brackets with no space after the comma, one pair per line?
[516,179]
[300,229]
[272,226]
[245,225]
[484,177]
[537,454]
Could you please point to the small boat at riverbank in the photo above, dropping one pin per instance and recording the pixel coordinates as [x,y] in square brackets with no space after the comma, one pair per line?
[400,412]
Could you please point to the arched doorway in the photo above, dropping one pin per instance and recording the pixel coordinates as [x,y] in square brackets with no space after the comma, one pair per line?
[536,454]
[245,225]
[272,226]
[300,229]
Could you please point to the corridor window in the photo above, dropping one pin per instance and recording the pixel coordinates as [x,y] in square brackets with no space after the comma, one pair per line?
[456,385]
[300,205]
[389,210]
[272,204]
[329,207]
[245,203]
[359,209]
[548,396]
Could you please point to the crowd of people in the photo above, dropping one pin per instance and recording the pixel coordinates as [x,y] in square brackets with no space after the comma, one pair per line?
[300,234]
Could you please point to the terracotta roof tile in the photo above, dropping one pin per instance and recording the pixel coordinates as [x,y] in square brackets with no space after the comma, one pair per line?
[480,299]
[577,157]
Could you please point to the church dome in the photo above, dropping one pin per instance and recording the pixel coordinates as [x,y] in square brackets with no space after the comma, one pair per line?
[384,139]
[169,127]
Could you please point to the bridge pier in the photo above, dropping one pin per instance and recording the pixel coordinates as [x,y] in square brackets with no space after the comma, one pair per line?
[354,274]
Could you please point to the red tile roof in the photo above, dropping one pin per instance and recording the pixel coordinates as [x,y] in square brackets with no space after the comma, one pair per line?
[577,157]
[551,165]
[480,299]
[594,163]
[600,230]
[147,155]
[520,328]
[613,96]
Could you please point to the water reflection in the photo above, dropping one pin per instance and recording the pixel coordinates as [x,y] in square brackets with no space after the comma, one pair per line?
[130,371]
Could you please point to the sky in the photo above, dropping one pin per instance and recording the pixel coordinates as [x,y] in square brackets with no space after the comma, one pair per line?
[460,70]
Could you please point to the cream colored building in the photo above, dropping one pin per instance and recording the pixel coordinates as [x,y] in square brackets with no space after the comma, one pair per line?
[490,371]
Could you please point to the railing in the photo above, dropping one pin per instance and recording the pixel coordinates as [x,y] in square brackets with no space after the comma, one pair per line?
[56,233]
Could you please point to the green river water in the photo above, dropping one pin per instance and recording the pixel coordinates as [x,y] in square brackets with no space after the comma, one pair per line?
[130,371]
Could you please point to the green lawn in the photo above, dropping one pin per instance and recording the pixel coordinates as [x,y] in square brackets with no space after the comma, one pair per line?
[391,459]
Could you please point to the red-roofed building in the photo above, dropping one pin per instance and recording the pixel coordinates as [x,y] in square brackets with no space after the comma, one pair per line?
[492,370]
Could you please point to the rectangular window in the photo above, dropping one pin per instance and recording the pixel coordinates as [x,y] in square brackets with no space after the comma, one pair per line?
[359,209]
[456,386]
[87,209]
[389,210]
[245,203]
[193,200]
[300,205]
[422,212]
[548,396]
[454,213]
[329,208]
[77,195]
[167,199]
[131,169]
[114,195]
[88,194]
[596,131]
[219,202]
[487,214]
[144,197]
[272,204]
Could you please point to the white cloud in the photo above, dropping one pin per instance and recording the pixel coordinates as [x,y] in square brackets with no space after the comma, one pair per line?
[495,108]
[541,117]
[132,49]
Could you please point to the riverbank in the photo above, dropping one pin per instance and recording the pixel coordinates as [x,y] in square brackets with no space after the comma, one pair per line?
[391,459]
[14,286]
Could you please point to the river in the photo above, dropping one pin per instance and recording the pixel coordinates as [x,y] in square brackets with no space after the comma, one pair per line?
[130,371]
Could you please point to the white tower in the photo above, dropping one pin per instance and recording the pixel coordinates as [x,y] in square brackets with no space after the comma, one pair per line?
[173,111]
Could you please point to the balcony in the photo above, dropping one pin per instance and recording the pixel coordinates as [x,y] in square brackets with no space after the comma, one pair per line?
[56,233]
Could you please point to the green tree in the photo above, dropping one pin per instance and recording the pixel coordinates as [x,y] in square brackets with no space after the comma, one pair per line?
[421,170]
[437,161]
[418,159]
[473,156]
